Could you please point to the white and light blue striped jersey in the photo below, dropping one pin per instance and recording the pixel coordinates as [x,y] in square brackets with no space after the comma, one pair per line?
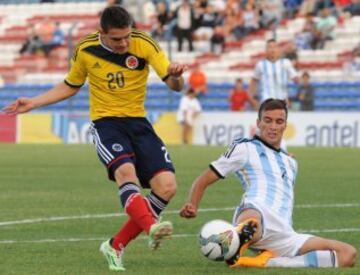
[267,174]
[273,78]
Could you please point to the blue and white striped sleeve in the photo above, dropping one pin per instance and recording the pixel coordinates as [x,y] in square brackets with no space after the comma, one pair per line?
[231,161]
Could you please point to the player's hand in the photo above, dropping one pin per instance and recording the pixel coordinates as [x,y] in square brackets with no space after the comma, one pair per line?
[176,69]
[21,105]
[188,211]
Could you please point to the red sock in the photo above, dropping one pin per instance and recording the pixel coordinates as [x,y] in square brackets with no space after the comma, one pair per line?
[139,212]
[129,231]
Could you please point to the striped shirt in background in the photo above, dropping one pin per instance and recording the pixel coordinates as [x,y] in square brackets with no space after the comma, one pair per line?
[274,78]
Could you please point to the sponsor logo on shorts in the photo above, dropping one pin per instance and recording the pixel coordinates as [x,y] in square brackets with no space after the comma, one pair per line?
[117,147]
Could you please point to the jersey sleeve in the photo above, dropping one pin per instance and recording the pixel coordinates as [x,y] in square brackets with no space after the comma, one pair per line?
[160,63]
[77,74]
[231,161]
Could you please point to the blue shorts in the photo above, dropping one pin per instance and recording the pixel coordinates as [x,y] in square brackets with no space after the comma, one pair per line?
[119,140]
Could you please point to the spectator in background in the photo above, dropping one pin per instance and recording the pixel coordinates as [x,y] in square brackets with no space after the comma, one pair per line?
[45,29]
[322,4]
[207,22]
[272,13]
[163,18]
[149,16]
[292,7]
[304,39]
[217,41]
[57,40]
[306,7]
[198,80]
[33,44]
[324,29]
[246,22]
[353,8]
[185,24]
[239,97]
[189,109]
[306,93]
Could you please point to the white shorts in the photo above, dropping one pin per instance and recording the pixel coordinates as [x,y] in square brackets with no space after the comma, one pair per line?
[277,236]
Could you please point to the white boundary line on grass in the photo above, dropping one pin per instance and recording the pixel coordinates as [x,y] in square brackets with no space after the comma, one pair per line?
[333,230]
[102,216]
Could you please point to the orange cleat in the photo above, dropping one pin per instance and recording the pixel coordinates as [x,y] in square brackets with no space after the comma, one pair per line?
[258,261]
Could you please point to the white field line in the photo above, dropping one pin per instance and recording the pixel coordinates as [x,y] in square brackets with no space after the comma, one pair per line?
[109,215]
[98,239]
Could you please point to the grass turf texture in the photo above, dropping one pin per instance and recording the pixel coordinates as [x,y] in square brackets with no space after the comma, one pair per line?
[42,181]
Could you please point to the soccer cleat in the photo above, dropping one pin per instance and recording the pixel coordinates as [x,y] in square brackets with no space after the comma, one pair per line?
[158,232]
[246,231]
[113,256]
[258,261]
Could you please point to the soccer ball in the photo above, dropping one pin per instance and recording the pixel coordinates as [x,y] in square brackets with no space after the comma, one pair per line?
[219,240]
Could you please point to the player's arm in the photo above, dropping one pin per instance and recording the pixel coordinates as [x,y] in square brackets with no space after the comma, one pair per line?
[294,76]
[189,210]
[58,93]
[175,81]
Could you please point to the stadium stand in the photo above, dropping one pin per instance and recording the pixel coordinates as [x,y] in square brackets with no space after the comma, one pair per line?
[342,95]
[336,87]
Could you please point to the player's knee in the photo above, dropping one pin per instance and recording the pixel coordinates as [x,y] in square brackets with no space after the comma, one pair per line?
[170,188]
[125,173]
[166,189]
[348,256]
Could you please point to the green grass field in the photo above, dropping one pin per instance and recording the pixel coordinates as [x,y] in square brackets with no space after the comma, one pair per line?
[56,197]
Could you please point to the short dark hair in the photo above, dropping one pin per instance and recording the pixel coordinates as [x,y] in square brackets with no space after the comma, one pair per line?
[272,104]
[306,73]
[190,91]
[270,41]
[115,17]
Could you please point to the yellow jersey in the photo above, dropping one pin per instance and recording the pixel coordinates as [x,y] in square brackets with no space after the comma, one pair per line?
[117,82]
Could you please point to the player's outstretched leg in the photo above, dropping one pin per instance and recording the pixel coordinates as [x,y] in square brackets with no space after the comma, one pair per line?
[246,231]
[158,232]
[113,256]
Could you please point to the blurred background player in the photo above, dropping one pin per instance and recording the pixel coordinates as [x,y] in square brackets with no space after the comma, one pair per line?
[264,216]
[189,109]
[115,62]
[198,80]
[272,74]
[239,97]
[306,93]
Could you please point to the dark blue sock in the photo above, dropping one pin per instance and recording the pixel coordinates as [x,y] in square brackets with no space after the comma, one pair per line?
[126,190]
[157,204]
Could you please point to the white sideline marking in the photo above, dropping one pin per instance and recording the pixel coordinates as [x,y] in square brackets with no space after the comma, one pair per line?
[102,216]
[333,230]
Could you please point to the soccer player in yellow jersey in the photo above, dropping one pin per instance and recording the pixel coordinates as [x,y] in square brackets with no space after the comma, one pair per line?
[115,61]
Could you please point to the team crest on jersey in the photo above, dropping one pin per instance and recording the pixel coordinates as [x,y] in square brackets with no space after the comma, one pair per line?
[117,147]
[132,62]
